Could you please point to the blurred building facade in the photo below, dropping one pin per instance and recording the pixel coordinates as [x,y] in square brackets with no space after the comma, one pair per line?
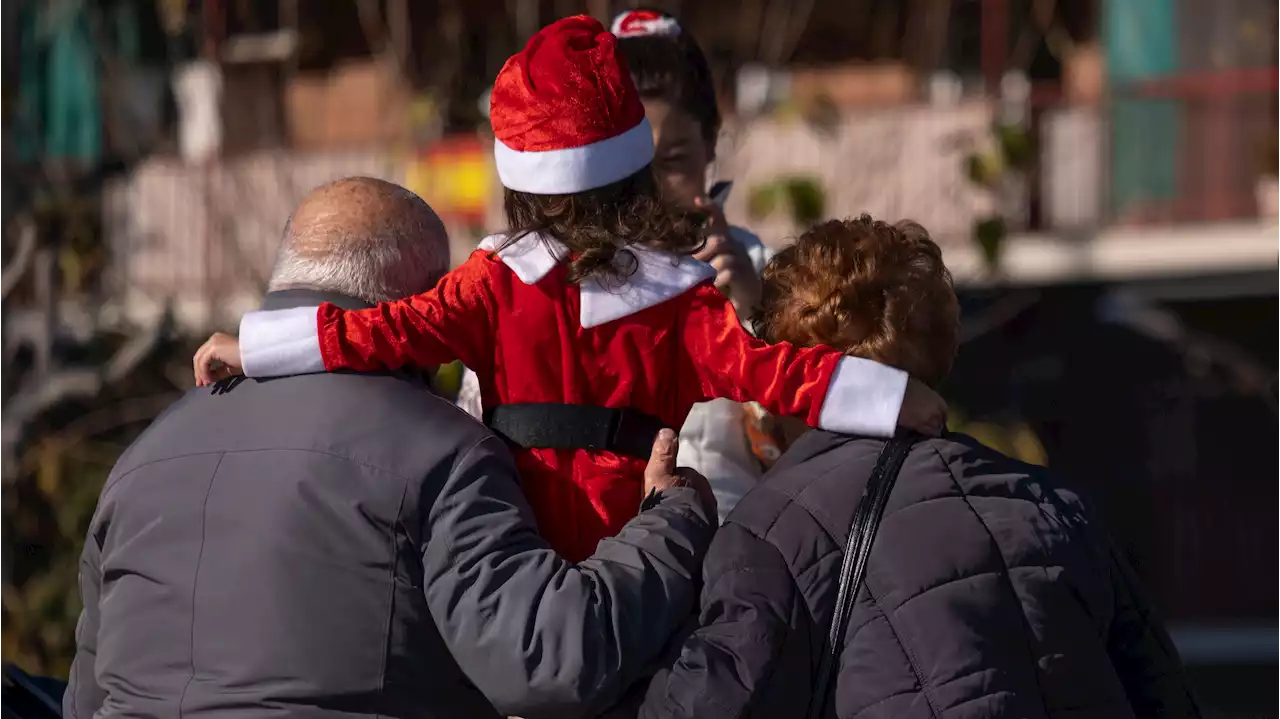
[1174,128]
[1130,316]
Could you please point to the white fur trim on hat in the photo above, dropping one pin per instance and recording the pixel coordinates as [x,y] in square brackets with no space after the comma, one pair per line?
[576,169]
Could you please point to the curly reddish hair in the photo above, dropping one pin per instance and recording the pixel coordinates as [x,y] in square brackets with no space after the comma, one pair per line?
[869,289]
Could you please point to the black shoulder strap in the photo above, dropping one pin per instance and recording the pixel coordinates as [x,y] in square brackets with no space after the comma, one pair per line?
[862,533]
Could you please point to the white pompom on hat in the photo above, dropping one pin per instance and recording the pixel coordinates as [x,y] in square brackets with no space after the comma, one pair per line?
[645,23]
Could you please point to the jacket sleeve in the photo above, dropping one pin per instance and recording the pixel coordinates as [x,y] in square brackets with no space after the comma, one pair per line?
[83,696]
[453,321]
[735,663]
[1142,652]
[817,384]
[540,636]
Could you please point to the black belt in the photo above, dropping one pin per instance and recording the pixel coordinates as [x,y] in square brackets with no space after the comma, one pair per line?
[575,426]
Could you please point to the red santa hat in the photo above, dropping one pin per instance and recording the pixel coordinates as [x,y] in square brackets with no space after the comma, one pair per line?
[566,116]
[645,23]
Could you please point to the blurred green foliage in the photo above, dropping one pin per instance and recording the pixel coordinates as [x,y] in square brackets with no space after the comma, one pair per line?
[49,503]
[1012,154]
[801,197]
[66,453]
[989,233]
[46,513]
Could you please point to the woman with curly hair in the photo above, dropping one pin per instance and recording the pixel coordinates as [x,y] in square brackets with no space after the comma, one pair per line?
[588,324]
[990,589]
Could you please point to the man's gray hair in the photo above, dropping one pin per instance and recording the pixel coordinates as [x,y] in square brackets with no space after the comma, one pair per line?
[402,254]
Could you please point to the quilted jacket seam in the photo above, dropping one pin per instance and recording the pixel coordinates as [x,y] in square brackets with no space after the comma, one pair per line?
[1008,582]
[906,649]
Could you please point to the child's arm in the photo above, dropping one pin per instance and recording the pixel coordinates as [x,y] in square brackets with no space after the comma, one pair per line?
[817,384]
[452,321]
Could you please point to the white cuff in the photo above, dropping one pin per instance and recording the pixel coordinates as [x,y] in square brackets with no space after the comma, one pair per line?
[864,397]
[276,343]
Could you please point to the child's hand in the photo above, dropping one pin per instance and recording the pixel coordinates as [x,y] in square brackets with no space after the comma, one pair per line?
[217,359]
[923,410]
[736,276]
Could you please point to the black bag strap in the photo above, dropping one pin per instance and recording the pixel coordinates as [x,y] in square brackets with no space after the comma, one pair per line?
[857,550]
[575,426]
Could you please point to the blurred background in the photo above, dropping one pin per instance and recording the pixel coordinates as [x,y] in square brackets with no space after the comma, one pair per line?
[1101,174]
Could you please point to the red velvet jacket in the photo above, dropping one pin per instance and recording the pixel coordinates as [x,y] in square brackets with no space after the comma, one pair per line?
[660,342]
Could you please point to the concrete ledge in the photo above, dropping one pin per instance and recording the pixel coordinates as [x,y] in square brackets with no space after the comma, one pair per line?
[1128,253]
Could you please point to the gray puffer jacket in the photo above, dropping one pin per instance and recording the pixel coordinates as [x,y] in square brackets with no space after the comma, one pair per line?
[991,592]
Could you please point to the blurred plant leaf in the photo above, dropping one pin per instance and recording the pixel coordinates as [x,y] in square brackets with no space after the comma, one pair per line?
[763,200]
[807,199]
[1016,146]
[802,196]
[984,169]
[990,233]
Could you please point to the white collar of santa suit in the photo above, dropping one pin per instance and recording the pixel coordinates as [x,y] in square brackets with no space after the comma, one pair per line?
[659,276]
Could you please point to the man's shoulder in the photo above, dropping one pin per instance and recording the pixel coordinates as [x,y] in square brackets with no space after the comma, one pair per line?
[395,424]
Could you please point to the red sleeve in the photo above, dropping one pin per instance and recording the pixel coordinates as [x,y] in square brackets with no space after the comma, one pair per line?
[450,322]
[816,384]
[455,320]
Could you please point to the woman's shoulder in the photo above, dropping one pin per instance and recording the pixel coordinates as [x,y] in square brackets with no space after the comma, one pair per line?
[818,483]
[979,470]
[973,464]
[814,487]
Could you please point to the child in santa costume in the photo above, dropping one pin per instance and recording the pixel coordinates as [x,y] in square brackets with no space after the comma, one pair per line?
[588,324]
[725,441]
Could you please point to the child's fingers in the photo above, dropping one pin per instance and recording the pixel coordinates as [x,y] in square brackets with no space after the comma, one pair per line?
[712,248]
[716,224]
[197,365]
[201,365]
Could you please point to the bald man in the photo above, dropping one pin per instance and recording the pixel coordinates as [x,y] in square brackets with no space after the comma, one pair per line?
[343,545]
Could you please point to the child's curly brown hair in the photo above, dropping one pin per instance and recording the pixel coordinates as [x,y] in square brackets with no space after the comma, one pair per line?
[868,288]
[597,225]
